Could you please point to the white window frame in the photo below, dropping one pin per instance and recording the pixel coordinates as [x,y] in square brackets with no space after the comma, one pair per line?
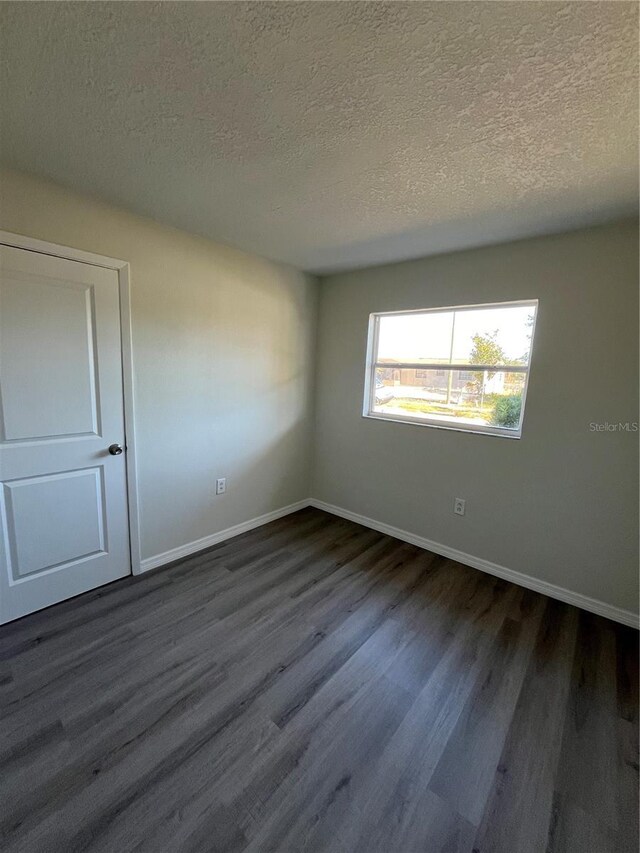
[368,410]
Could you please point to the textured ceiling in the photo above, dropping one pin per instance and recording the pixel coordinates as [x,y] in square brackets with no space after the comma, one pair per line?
[331,135]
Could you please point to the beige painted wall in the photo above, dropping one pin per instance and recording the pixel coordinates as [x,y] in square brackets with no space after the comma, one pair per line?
[222,362]
[561,504]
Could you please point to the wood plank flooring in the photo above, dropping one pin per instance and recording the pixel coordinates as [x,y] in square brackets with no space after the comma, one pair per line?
[316,686]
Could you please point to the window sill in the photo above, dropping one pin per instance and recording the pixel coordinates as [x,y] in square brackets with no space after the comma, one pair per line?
[496,432]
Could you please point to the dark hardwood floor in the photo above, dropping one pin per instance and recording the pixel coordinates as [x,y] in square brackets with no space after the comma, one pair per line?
[316,686]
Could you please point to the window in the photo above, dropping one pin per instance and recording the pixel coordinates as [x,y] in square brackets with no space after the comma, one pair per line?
[463,368]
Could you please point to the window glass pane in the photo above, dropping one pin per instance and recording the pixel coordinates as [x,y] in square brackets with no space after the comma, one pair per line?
[415,337]
[453,397]
[493,335]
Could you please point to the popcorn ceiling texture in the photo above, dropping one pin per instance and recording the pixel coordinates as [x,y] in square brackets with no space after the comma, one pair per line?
[331,135]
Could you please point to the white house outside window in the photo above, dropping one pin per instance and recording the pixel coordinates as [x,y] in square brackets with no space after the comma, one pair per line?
[464,368]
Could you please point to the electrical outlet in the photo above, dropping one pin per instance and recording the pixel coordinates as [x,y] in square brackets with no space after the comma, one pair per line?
[221,485]
[458,506]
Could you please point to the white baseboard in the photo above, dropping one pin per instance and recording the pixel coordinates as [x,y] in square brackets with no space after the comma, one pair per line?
[207,541]
[626,617]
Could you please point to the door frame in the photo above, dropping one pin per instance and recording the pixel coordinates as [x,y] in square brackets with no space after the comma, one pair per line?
[19,241]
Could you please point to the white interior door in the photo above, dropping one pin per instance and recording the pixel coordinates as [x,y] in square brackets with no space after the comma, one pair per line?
[63,497]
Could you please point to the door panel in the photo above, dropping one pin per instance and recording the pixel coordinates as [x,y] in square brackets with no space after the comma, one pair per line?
[48,374]
[63,503]
[53,520]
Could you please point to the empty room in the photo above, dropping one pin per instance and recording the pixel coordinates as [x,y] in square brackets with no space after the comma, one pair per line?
[319,461]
